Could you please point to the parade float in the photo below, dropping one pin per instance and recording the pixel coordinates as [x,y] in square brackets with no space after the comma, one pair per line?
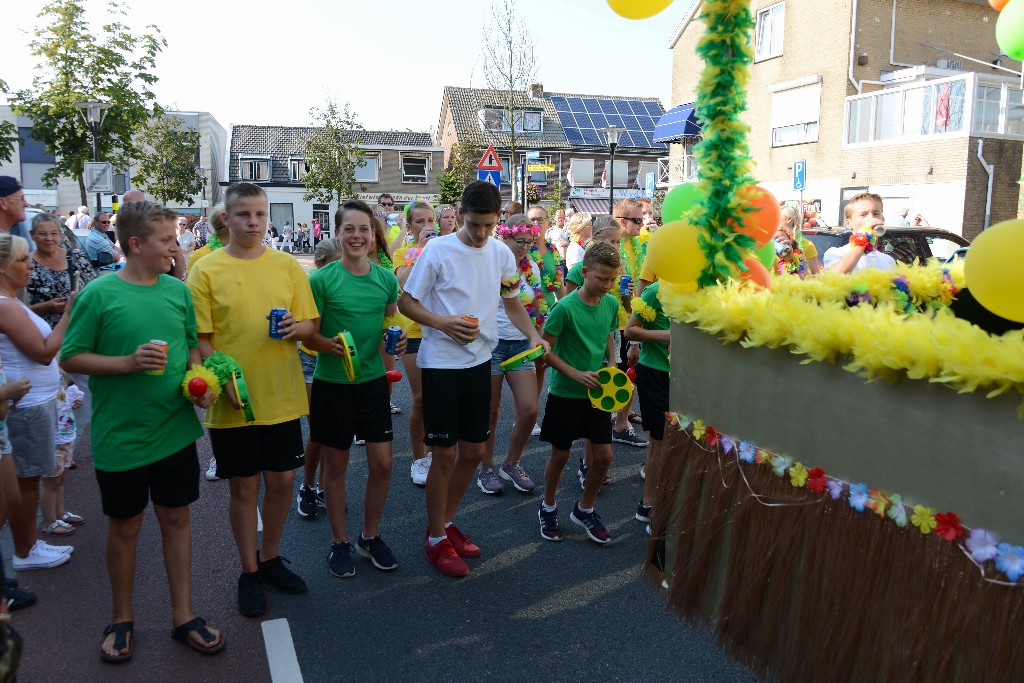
[841,491]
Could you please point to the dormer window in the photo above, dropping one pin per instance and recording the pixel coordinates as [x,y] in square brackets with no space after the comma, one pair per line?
[495,120]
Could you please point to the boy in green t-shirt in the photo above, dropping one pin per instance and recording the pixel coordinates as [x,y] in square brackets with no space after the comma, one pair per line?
[649,325]
[143,429]
[356,295]
[577,330]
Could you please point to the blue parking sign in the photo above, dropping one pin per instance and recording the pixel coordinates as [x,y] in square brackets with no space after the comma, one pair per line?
[800,175]
[492,177]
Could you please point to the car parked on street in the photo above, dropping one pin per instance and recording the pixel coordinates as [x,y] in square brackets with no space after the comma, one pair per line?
[903,244]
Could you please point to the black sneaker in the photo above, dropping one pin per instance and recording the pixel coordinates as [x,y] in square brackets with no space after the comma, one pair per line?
[549,529]
[644,512]
[377,551]
[252,600]
[18,598]
[582,472]
[628,436]
[280,577]
[340,560]
[320,500]
[591,522]
[306,502]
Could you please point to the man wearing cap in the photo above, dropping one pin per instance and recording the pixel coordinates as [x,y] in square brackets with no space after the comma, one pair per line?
[12,204]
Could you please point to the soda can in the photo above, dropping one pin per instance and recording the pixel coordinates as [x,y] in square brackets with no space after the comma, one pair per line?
[276,314]
[624,282]
[391,337]
[471,318]
[163,347]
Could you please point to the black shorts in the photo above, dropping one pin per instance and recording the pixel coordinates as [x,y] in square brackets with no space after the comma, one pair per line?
[337,412]
[172,482]
[246,451]
[456,405]
[568,419]
[412,345]
[652,385]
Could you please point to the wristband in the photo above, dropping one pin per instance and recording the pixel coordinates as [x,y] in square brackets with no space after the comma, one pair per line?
[864,241]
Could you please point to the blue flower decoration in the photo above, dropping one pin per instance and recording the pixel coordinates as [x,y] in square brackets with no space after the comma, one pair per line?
[835,488]
[1010,560]
[982,545]
[747,452]
[859,496]
[781,463]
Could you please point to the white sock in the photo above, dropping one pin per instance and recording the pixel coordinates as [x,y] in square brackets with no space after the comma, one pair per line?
[448,524]
[548,508]
[435,541]
[583,509]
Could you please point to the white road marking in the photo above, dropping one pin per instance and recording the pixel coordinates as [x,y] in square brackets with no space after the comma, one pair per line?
[284,665]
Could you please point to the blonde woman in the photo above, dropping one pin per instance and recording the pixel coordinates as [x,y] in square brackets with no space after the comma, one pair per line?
[580,227]
[790,224]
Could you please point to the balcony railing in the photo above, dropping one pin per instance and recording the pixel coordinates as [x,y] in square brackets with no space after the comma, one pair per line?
[969,104]
[675,170]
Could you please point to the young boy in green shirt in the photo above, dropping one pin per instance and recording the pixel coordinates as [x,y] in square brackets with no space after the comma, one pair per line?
[143,429]
[577,330]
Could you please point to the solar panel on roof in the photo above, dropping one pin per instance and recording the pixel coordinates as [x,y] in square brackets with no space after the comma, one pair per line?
[654,109]
[608,106]
[592,105]
[583,120]
[614,120]
[599,120]
[591,137]
[574,136]
[559,103]
[576,104]
[623,107]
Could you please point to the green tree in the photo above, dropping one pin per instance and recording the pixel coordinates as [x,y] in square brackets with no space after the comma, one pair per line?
[167,160]
[461,171]
[332,153]
[113,64]
[9,137]
[556,195]
[509,69]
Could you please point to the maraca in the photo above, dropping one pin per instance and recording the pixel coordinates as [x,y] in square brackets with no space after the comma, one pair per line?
[394,375]
[198,387]
[631,372]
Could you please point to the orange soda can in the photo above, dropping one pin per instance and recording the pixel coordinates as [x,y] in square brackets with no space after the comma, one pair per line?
[163,347]
[476,321]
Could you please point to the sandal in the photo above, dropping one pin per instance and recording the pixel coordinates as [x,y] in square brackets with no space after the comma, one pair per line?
[72,519]
[635,419]
[121,631]
[181,634]
[59,528]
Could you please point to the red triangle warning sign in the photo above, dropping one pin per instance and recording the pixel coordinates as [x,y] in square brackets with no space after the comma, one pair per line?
[490,161]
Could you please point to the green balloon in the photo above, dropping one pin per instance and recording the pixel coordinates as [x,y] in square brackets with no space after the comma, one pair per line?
[766,254]
[679,200]
[1010,30]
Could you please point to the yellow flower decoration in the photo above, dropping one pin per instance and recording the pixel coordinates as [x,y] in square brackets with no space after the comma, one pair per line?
[698,429]
[206,375]
[643,311]
[923,518]
[798,475]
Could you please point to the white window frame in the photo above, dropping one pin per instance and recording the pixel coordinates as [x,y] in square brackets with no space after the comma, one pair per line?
[796,111]
[426,169]
[531,131]
[375,156]
[253,163]
[771,23]
[297,168]
[486,113]
[507,168]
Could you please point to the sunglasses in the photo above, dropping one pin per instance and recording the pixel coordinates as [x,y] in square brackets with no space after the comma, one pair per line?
[103,222]
[634,221]
[386,204]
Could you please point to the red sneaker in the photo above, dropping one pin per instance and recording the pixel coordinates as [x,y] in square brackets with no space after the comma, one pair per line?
[444,558]
[461,542]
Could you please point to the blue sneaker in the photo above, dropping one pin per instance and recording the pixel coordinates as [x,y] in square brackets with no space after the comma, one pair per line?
[377,551]
[549,529]
[340,560]
[591,522]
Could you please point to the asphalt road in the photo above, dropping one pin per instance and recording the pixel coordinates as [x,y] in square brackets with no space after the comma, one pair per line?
[530,609]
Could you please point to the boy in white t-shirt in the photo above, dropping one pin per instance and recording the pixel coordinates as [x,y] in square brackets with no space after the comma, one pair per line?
[457,279]
[863,215]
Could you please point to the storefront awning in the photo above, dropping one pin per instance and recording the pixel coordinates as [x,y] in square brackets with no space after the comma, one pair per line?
[677,123]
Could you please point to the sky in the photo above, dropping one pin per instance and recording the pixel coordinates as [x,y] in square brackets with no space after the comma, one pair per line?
[263,62]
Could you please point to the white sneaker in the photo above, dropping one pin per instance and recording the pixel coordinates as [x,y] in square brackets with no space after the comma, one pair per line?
[536,430]
[420,468]
[211,471]
[62,549]
[39,558]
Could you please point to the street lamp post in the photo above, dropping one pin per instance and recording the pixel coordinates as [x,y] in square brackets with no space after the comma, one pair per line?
[613,133]
[93,112]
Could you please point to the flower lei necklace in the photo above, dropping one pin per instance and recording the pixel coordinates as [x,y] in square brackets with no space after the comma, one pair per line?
[385,262]
[639,251]
[533,301]
[552,282]
[214,242]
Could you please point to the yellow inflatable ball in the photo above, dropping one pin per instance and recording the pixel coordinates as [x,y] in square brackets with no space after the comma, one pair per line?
[638,9]
[674,253]
[992,269]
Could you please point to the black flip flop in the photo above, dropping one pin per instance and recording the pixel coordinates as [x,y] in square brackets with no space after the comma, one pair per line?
[198,625]
[121,631]
[635,419]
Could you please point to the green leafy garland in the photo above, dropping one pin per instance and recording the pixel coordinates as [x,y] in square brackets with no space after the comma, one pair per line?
[723,154]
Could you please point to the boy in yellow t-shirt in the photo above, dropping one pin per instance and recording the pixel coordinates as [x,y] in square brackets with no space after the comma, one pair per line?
[233,290]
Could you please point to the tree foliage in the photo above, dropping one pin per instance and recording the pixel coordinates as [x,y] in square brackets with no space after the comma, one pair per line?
[167,160]
[332,153]
[509,69]
[76,63]
[9,137]
[555,194]
[461,171]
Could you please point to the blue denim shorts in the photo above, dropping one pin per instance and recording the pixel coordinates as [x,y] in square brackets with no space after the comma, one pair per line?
[308,366]
[507,348]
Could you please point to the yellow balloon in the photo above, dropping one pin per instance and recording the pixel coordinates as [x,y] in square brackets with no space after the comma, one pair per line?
[638,9]
[993,272]
[674,254]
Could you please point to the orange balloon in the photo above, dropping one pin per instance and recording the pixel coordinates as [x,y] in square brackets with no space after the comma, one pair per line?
[998,5]
[764,220]
[757,273]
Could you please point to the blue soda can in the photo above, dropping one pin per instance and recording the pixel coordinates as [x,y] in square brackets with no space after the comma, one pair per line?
[276,314]
[624,282]
[391,337]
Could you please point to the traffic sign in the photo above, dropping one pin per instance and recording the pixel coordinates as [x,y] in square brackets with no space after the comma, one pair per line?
[530,156]
[649,185]
[492,177]
[490,161]
[540,167]
[99,176]
[800,175]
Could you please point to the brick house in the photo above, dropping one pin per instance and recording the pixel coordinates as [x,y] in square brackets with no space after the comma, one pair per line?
[404,164]
[564,129]
[880,96]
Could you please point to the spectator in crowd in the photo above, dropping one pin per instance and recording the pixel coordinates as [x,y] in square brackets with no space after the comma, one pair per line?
[790,227]
[186,238]
[82,218]
[557,233]
[202,230]
[12,203]
[920,221]
[287,233]
[275,236]
[57,520]
[863,215]
[56,272]
[580,228]
[901,218]
[633,249]
[97,245]
[511,209]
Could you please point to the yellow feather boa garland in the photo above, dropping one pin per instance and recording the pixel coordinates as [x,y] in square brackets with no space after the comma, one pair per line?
[878,341]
